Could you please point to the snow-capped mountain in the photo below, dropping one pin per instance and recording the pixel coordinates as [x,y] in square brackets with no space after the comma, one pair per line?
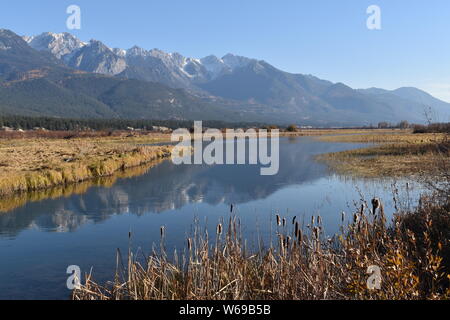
[61,45]
[250,88]
[97,58]
[172,69]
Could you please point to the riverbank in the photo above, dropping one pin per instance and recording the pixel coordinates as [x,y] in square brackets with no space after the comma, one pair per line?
[395,154]
[28,165]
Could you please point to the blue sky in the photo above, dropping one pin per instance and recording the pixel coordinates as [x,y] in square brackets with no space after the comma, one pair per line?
[326,38]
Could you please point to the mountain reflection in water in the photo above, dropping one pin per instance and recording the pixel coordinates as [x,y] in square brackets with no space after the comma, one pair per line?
[170,187]
[42,234]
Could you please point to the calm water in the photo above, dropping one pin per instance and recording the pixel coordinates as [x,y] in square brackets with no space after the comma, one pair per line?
[39,240]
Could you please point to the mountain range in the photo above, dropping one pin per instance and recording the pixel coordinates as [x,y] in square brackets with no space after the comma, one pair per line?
[62,76]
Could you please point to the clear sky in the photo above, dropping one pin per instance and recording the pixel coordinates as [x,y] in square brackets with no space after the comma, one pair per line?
[326,38]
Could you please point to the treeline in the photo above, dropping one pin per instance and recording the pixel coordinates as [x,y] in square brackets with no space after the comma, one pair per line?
[401,125]
[58,124]
[418,128]
[433,128]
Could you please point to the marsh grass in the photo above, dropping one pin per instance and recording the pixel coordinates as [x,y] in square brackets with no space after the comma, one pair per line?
[27,166]
[392,155]
[304,264]
[13,201]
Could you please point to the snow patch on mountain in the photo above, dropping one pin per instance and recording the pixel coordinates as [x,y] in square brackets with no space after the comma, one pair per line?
[97,57]
[61,45]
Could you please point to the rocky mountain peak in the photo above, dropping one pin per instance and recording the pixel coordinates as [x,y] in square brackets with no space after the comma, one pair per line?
[59,44]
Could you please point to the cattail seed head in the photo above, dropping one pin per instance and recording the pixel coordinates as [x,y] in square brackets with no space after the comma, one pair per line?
[316,233]
[219,229]
[278,220]
[376,203]
[300,236]
[162,231]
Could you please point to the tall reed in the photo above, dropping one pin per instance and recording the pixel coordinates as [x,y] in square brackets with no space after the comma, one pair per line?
[412,253]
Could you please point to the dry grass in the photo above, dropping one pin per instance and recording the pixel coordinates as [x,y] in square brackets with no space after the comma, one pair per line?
[13,201]
[329,133]
[381,136]
[304,265]
[36,164]
[43,134]
[394,155]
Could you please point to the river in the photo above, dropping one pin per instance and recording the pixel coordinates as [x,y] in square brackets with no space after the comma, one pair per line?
[39,239]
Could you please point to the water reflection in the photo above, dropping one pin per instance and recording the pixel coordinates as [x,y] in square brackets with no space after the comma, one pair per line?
[163,188]
[43,233]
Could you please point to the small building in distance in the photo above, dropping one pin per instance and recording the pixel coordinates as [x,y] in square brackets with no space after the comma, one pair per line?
[161,129]
[40,129]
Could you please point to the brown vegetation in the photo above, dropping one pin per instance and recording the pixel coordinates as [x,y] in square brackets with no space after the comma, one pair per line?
[392,155]
[36,164]
[76,134]
[412,254]
[16,200]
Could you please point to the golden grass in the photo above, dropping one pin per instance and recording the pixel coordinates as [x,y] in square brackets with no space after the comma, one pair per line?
[396,154]
[13,201]
[325,133]
[36,164]
[303,265]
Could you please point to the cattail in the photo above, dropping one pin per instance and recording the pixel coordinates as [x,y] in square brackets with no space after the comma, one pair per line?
[162,231]
[189,244]
[297,229]
[343,216]
[281,241]
[219,229]
[355,218]
[300,236]
[284,222]
[313,220]
[278,220]
[316,233]
[294,219]
[376,203]
[319,220]
[231,208]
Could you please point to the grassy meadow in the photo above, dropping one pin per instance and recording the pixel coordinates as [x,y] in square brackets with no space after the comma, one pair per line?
[36,163]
